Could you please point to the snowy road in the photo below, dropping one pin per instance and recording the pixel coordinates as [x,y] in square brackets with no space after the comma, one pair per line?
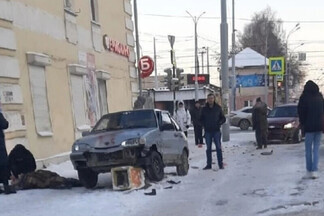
[251,184]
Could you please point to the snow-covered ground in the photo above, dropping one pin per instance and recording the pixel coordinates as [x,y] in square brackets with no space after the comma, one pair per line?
[251,184]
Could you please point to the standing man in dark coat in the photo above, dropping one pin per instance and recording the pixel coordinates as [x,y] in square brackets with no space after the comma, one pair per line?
[260,123]
[4,169]
[310,111]
[212,118]
[195,118]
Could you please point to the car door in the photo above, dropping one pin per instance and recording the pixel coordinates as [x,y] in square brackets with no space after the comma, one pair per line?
[170,139]
[248,114]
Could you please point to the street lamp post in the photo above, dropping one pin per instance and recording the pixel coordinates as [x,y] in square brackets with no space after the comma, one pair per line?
[296,28]
[195,20]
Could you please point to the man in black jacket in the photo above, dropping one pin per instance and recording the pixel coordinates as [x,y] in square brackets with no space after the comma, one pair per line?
[310,111]
[260,123]
[212,118]
[4,169]
[21,161]
[195,118]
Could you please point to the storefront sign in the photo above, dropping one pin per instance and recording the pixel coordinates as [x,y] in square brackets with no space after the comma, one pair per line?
[115,46]
[201,78]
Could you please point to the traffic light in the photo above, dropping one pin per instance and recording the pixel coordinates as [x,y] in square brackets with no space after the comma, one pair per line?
[180,77]
[168,78]
[279,84]
[174,84]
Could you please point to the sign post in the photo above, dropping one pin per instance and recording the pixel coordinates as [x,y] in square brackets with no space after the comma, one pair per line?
[276,69]
[171,39]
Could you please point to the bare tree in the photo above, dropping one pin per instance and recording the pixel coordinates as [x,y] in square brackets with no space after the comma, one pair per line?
[266,26]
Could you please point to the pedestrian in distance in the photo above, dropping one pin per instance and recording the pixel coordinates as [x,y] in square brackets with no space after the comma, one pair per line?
[195,118]
[310,111]
[260,123]
[4,168]
[182,117]
[212,117]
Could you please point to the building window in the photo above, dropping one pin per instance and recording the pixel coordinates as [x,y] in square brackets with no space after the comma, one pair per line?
[103,97]
[40,101]
[79,104]
[94,10]
[247,103]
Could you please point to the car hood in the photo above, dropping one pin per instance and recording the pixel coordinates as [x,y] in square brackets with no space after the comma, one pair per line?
[281,121]
[110,139]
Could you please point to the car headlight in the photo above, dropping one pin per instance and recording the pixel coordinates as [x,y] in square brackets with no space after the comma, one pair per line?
[134,142]
[289,125]
[81,147]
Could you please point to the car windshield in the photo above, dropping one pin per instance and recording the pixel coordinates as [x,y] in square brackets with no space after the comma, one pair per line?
[126,120]
[282,112]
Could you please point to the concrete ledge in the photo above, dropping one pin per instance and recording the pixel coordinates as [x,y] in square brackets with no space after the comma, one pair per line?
[56,159]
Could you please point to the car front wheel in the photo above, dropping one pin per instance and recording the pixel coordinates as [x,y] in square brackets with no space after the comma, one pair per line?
[183,167]
[298,136]
[155,167]
[88,178]
[244,124]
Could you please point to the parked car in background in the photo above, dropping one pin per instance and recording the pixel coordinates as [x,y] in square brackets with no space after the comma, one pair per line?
[242,118]
[283,124]
[149,139]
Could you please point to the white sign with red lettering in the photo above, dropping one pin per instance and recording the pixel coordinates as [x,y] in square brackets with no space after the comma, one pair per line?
[115,46]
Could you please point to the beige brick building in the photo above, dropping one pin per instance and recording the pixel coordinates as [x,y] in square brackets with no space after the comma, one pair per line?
[63,64]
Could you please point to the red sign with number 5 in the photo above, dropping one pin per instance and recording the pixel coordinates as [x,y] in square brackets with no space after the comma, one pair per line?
[146,65]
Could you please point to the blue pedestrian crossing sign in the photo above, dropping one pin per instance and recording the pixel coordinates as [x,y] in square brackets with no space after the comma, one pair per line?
[276,66]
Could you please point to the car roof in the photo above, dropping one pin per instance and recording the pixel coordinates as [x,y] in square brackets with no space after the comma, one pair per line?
[137,110]
[287,105]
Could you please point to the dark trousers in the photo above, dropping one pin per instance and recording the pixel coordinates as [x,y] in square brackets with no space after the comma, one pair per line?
[216,137]
[4,174]
[198,134]
[261,137]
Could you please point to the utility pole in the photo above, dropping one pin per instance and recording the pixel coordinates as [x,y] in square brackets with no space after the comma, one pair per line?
[233,77]
[202,59]
[155,69]
[137,48]
[224,70]
[296,28]
[265,65]
[207,60]
[195,20]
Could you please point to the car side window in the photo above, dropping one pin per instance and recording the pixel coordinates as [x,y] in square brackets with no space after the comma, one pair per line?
[159,118]
[248,111]
[166,119]
[176,126]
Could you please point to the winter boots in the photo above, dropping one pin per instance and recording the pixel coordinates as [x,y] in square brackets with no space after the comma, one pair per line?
[8,190]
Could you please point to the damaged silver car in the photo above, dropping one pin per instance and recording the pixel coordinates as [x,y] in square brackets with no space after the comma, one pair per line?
[149,139]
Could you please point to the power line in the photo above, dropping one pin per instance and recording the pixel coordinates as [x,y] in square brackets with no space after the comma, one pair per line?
[242,19]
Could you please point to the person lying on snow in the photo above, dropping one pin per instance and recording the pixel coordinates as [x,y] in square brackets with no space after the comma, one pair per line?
[22,165]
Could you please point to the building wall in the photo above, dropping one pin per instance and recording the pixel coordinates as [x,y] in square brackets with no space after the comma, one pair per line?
[64,37]
[250,94]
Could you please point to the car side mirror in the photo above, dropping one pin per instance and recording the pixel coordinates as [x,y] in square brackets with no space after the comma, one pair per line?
[166,127]
[85,133]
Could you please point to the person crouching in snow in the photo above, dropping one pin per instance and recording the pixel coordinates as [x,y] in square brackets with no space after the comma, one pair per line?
[182,117]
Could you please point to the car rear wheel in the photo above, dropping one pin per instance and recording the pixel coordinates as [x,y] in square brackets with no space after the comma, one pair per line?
[244,124]
[298,136]
[88,178]
[155,168]
[183,167]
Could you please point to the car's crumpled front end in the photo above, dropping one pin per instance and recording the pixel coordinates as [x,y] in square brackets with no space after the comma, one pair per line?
[103,151]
